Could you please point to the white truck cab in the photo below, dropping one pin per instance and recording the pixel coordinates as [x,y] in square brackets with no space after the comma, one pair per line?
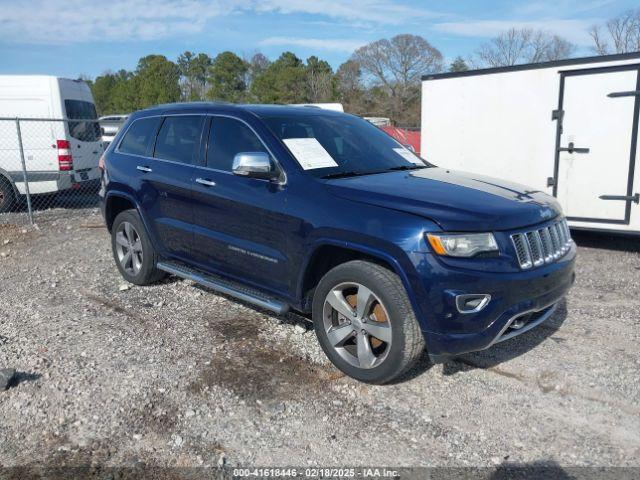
[58,155]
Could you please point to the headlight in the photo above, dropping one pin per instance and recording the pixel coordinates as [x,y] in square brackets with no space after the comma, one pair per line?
[462,245]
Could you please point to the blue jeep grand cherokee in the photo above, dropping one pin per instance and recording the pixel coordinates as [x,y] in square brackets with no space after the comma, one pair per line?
[296,207]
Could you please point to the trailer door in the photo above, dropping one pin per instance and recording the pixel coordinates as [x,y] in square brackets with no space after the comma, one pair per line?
[596,143]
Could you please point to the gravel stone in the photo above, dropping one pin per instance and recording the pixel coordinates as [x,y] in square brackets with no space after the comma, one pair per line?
[566,393]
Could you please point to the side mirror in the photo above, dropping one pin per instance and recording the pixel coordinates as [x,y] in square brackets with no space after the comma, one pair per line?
[254,165]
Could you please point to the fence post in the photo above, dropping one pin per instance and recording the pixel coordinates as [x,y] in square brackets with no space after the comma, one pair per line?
[24,171]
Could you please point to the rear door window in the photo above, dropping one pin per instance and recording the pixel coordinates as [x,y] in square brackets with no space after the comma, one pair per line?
[140,136]
[227,138]
[83,131]
[179,139]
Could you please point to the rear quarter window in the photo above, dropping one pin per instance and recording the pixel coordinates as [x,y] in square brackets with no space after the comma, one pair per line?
[139,136]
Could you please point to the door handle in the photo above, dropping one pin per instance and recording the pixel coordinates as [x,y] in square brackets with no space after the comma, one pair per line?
[144,169]
[631,93]
[625,198]
[571,149]
[204,181]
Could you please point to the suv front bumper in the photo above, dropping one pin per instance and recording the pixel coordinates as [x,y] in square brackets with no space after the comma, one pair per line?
[519,302]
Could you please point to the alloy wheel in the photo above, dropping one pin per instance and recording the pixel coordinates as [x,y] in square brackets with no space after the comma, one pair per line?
[129,248]
[357,325]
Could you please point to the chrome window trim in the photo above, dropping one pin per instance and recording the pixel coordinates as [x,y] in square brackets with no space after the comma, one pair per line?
[204,167]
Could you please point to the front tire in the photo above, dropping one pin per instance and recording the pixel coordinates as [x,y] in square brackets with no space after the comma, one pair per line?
[133,252]
[365,323]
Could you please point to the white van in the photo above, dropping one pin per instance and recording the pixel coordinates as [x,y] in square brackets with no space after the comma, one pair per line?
[58,155]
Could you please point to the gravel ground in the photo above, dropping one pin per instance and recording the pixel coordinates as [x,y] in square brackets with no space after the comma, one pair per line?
[174,375]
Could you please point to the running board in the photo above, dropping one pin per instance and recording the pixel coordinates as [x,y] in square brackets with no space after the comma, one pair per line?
[225,287]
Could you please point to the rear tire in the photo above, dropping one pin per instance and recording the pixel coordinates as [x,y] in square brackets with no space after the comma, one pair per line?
[133,252]
[370,301]
[7,196]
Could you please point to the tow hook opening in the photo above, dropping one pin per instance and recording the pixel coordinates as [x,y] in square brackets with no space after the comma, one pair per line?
[472,303]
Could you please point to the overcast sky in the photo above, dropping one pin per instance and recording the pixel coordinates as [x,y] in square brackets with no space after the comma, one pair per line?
[72,37]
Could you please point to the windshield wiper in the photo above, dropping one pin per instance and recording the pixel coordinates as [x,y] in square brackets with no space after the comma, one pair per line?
[353,173]
[350,173]
[407,167]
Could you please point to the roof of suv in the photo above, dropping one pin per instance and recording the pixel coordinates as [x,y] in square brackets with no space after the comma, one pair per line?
[259,110]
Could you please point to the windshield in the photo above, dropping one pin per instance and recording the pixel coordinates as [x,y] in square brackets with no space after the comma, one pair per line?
[333,146]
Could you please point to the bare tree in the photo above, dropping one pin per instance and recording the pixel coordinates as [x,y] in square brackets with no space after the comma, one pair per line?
[320,80]
[506,49]
[257,64]
[193,74]
[396,65]
[523,45]
[559,48]
[621,34]
[349,86]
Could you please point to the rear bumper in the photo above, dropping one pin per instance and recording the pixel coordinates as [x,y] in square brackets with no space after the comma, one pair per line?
[41,182]
[519,302]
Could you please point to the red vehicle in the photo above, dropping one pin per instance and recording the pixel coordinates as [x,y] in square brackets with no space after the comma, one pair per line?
[406,136]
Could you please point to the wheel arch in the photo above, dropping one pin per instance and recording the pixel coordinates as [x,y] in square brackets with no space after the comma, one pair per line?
[116,202]
[328,254]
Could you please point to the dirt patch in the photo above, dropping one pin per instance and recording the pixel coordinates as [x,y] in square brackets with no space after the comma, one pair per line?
[111,305]
[64,460]
[155,416]
[259,369]
[16,234]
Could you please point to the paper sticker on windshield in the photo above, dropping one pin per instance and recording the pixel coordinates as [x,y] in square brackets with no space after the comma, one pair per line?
[309,153]
[408,156]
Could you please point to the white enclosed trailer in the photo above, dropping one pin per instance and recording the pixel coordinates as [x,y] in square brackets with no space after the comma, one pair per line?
[568,128]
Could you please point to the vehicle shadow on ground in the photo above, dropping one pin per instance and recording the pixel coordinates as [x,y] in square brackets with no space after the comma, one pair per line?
[539,469]
[489,358]
[510,349]
[421,366]
[606,241]
[290,318]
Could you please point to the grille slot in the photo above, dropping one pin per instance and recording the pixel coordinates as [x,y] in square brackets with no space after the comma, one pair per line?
[537,247]
[522,250]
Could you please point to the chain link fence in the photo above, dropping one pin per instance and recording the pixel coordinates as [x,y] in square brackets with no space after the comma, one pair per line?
[48,166]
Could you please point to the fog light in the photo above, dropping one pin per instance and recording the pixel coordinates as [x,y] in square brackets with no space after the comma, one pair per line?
[472,303]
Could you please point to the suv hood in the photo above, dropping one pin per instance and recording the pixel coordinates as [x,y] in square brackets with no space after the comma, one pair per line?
[457,201]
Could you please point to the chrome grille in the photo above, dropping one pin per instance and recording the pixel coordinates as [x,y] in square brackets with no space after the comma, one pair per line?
[537,247]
